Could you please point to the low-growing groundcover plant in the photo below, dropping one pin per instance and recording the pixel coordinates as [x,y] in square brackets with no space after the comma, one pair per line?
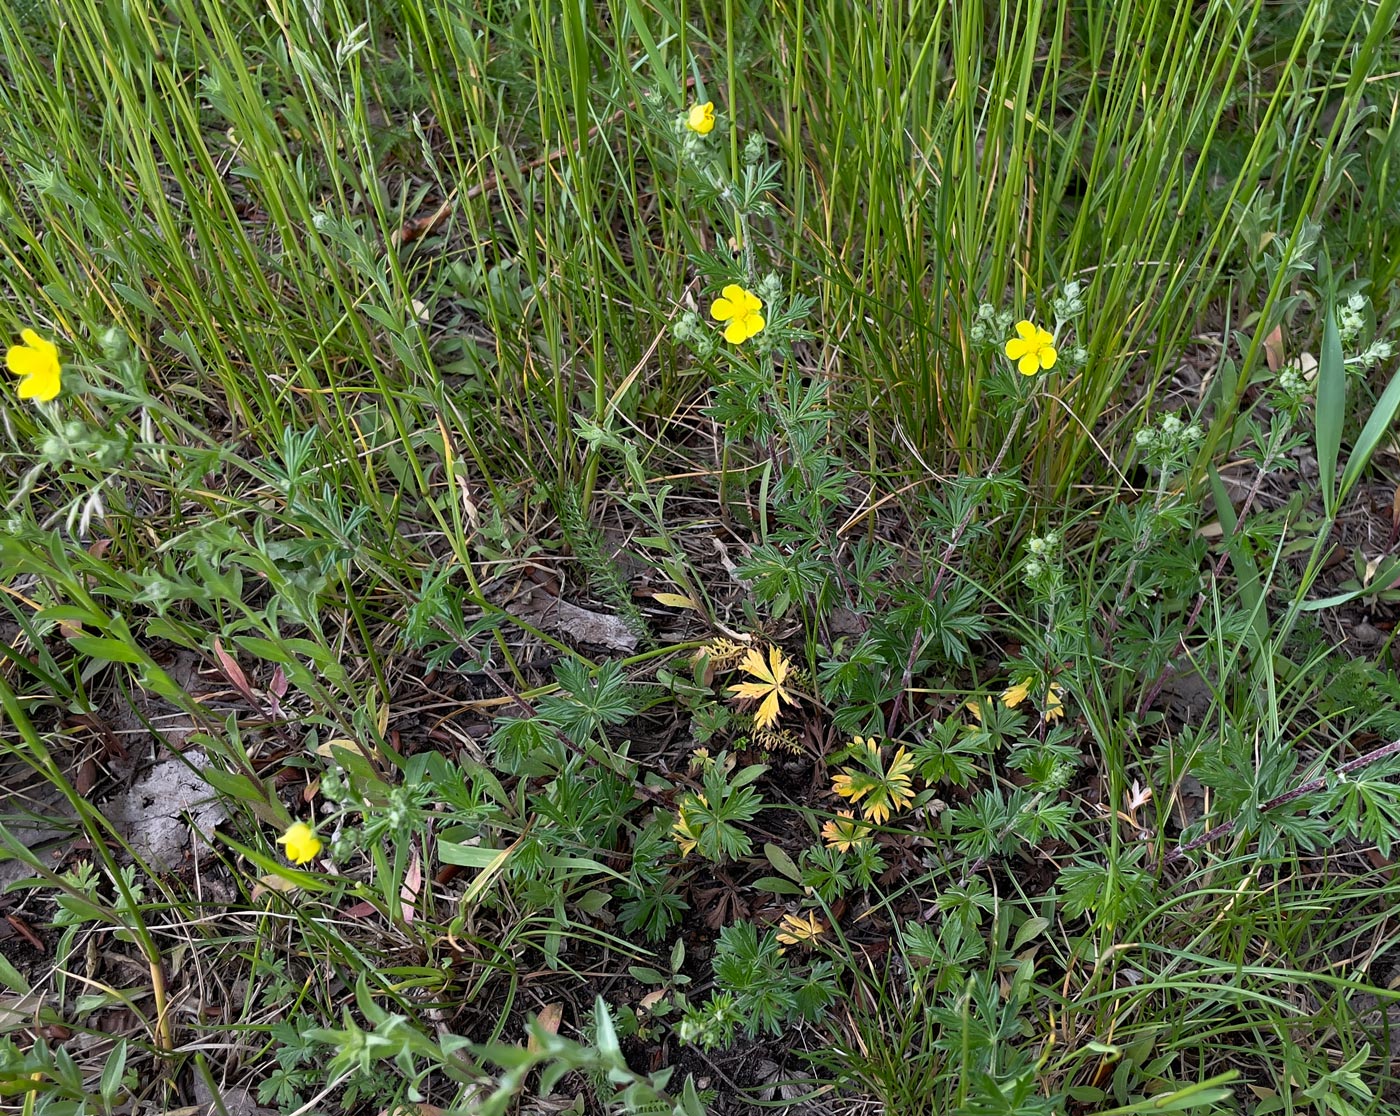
[685,560]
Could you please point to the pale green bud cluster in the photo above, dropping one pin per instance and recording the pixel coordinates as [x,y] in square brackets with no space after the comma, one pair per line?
[1170,437]
[1292,384]
[770,289]
[990,325]
[691,332]
[1076,356]
[1351,318]
[1069,303]
[1377,352]
[78,443]
[1044,551]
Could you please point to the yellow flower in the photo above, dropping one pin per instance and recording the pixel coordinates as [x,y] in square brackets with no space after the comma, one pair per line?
[843,832]
[796,930]
[36,364]
[1012,696]
[302,843]
[741,309]
[1054,707]
[1032,349]
[768,689]
[701,118]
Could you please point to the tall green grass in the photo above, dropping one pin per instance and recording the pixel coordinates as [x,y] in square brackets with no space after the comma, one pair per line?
[343,434]
[223,182]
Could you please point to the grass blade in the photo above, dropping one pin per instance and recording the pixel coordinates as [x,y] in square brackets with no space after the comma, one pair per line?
[1330,412]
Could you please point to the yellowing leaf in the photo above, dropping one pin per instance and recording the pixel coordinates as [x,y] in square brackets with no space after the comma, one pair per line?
[769,689]
[1012,696]
[272,883]
[796,930]
[675,600]
[1273,348]
[549,1018]
[651,999]
[883,789]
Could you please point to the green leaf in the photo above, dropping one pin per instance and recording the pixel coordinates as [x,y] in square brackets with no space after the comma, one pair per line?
[1211,1091]
[690,1099]
[1376,428]
[108,650]
[83,910]
[782,862]
[1031,928]
[777,885]
[747,775]
[242,788]
[467,856]
[636,15]
[10,977]
[111,1083]
[1330,412]
[605,1032]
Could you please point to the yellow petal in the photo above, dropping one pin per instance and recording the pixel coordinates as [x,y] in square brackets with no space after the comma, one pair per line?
[701,118]
[735,294]
[1029,364]
[734,332]
[1025,330]
[22,361]
[1044,337]
[723,310]
[1018,347]
[754,323]
[42,385]
[46,349]
[1048,356]
[301,842]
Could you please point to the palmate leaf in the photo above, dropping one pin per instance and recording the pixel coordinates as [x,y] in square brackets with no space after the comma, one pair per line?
[769,689]
[883,789]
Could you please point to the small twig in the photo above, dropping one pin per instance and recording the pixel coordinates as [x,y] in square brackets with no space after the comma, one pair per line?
[1311,786]
[897,709]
